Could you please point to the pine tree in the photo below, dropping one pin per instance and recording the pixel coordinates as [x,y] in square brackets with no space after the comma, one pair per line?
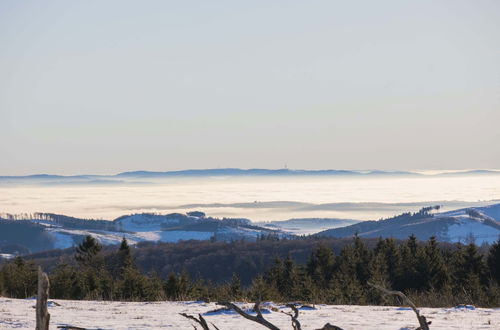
[87,250]
[235,288]
[412,245]
[494,261]
[290,285]
[320,265]
[125,259]
[431,268]
[172,286]
[184,284]
[19,278]
[409,275]
[471,265]
[390,256]
[362,258]
[66,283]
[345,286]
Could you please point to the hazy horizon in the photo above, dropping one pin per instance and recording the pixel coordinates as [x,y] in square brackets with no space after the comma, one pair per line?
[410,171]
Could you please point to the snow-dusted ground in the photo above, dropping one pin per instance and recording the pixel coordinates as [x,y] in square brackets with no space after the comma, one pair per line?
[466,227]
[20,314]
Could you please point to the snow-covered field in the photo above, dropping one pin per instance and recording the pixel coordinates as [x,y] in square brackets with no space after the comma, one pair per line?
[20,314]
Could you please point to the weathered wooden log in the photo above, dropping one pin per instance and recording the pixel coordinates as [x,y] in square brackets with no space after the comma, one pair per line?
[42,313]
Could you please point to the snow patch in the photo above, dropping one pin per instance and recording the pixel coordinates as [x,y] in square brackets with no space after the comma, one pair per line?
[6,256]
[62,240]
[180,235]
[145,222]
[467,227]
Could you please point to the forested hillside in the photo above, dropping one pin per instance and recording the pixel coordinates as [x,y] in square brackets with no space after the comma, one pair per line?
[331,271]
[22,237]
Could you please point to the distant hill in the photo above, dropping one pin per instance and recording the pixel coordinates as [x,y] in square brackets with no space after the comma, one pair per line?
[143,176]
[25,233]
[471,172]
[117,178]
[22,234]
[255,172]
[481,224]
[110,179]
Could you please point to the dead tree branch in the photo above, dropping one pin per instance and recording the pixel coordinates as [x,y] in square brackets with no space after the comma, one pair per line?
[294,316]
[201,321]
[424,325]
[259,318]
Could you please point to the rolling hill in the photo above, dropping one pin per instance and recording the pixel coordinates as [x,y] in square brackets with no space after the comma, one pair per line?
[481,224]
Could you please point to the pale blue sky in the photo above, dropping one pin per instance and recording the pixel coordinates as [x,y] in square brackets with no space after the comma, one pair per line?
[109,86]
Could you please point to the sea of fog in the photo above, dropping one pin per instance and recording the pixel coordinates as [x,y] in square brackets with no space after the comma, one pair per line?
[256,198]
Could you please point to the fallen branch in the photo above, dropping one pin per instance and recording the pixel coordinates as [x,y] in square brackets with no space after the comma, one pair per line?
[259,318]
[201,321]
[424,325]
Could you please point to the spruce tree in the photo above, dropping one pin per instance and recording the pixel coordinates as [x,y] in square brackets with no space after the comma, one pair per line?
[362,258]
[494,261]
[87,250]
[471,265]
[125,259]
[172,286]
[432,270]
[19,278]
[235,287]
[320,265]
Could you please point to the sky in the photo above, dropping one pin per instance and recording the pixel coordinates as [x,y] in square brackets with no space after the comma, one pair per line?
[111,86]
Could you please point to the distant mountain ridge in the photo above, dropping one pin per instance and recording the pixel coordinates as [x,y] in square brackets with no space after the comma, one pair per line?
[208,172]
[113,178]
[258,172]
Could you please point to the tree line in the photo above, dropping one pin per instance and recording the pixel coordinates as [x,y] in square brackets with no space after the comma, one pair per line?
[430,274]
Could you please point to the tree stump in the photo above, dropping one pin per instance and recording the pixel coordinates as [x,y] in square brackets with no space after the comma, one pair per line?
[42,313]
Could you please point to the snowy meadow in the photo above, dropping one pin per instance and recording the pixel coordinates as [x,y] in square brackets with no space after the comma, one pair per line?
[20,314]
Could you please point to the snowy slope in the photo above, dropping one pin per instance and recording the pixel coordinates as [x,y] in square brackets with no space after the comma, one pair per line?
[466,228]
[482,224]
[20,314]
[149,227]
[148,222]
